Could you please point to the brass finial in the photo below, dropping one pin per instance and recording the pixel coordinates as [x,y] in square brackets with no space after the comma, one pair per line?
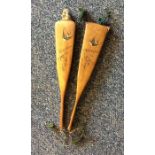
[65,15]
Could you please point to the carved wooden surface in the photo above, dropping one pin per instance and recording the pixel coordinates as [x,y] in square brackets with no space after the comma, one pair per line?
[101,105]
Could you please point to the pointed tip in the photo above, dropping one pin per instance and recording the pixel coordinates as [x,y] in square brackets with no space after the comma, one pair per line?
[69,129]
[61,127]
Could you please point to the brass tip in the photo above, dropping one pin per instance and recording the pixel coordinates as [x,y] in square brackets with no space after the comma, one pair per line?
[65,15]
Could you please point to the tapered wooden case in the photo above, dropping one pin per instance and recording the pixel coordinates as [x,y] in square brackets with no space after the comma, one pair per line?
[93,40]
[64,36]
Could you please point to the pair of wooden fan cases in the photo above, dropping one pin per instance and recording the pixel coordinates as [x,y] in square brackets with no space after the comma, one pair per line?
[93,40]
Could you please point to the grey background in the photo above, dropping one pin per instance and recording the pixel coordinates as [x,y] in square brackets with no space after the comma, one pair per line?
[101,105]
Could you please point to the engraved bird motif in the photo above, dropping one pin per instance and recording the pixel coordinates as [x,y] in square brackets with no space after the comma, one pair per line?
[66,36]
[94,42]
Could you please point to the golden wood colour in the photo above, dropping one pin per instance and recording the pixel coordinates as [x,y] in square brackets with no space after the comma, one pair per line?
[64,35]
[94,37]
